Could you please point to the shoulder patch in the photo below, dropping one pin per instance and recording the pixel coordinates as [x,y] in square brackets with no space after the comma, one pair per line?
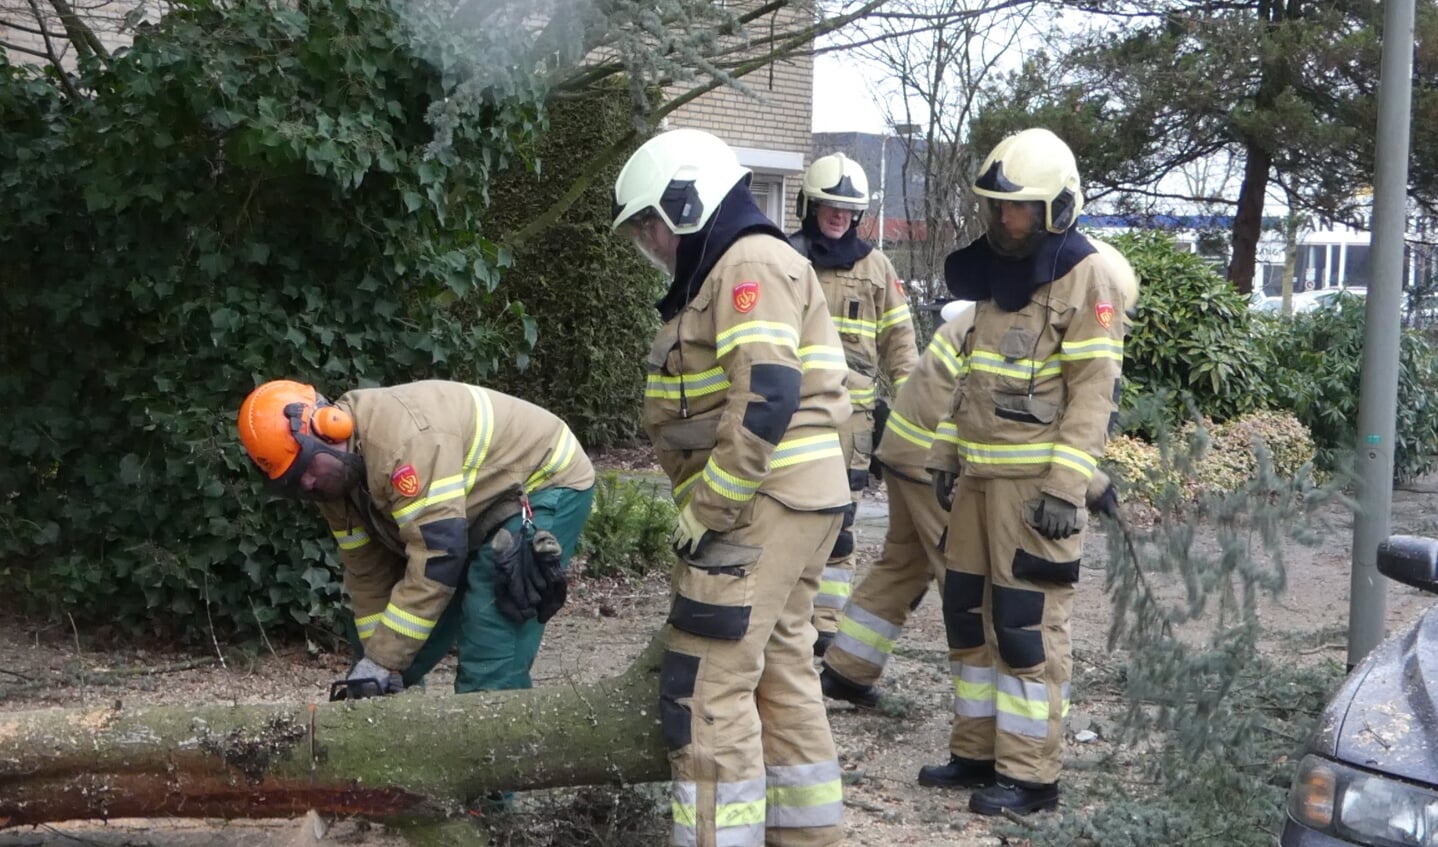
[405,481]
[1104,313]
[746,295]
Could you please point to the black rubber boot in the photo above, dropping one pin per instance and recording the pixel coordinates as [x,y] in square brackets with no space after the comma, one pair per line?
[1016,796]
[958,773]
[821,644]
[841,688]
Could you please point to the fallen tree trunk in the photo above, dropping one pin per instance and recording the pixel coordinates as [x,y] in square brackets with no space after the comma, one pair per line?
[402,759]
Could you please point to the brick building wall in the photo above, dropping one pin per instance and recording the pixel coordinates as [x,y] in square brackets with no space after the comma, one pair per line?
[769,130]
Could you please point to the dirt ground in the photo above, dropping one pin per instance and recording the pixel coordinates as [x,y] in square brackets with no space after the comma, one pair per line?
[605,626]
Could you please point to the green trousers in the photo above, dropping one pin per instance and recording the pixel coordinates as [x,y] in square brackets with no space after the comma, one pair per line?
[494,652]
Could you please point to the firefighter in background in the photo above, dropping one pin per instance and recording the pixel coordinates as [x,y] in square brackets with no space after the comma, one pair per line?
[743,402]
[1028,424]
[867,303]
[913,548]
[455,508]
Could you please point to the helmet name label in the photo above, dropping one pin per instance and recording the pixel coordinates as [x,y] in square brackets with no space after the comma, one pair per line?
[746,296]
[405,481]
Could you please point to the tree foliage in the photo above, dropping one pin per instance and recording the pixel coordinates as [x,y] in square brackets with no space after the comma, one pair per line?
[1287,90]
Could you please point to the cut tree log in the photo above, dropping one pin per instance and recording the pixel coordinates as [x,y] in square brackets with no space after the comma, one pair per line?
[404,760]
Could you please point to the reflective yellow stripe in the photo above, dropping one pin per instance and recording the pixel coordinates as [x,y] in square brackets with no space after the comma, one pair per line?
[810,448]
[483,433]
[966,690]
[994,363]
[805,796]
[823,357]
[685,488]
[861,395]
[1074,459]
[739,814]
[367,624]
[757,332]
[1102,347]
[700,384]
[407,624]
[909,431]
[857,326]
[559,458]
[1006,454]
[947,354]
[947,432]
[894,317]
[352,540]
[1034,710]
[727,484]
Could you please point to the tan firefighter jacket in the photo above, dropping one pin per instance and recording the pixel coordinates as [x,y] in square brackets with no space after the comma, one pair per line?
[441,458]
[924,401]
[746,388]
[870,312]
[1039,386]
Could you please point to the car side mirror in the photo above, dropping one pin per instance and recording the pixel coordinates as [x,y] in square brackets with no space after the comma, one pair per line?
[1411,560]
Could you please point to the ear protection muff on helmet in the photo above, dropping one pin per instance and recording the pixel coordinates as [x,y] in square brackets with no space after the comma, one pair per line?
[331,423]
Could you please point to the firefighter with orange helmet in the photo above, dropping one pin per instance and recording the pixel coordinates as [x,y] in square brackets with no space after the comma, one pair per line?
[455,509]
[869,309]
[1027,426]
[743,399]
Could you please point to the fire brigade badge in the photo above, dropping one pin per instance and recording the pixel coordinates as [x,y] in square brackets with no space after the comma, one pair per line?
[746,294]
[1104,313]
[405,481]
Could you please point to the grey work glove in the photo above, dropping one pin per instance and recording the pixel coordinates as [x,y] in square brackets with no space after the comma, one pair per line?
[1054,519]
[1101,498]
[390,682]
[944,487]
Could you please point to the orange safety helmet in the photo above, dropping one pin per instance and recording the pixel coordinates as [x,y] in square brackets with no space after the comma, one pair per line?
[284,424]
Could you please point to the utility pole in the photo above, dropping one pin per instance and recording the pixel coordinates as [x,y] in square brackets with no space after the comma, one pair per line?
[883,175]
[1378,394]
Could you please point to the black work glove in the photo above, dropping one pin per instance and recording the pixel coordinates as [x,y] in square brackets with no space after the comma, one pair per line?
[518,584]
[881,420]
[1054,519]
[548,556]
[944,487]
[1101,498]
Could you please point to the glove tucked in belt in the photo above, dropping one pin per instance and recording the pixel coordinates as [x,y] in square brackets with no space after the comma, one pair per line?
[529,580]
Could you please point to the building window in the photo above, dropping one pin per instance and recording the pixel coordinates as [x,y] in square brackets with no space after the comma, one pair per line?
[768,191]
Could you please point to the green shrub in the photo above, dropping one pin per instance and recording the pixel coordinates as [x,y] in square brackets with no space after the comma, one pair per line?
[628,530]
[1190,337]
[247,193]
[1315,367]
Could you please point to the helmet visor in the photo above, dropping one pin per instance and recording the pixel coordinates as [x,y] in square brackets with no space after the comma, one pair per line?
[1015,228]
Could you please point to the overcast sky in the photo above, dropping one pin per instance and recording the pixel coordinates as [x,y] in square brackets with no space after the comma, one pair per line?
[843,97]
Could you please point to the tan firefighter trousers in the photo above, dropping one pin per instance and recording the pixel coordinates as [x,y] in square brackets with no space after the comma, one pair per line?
[856,435]
[894,586]
[752,759]
[1007,598]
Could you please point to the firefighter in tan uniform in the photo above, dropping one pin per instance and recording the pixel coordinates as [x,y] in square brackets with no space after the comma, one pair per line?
[913,548]
[1028,424]
[744,396]
[455,508]
[868,307]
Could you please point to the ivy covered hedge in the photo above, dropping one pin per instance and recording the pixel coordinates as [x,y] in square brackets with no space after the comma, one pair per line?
[249,192]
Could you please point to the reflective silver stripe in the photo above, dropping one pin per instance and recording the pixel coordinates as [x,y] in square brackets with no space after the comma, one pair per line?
[834,588]
[823,357]
[947,432]
[805,795]
[864,635]
[686,488]
[1003,454]
[947,355]
[695,385]
[1074,459]
[909,431]
[1101,347]
[683,800]
[806,449]
[352,540]
[727,484]
[367,625]
[752,332]
[973,689]
[894,317]
[739,813]
[406,623]
[1022,706]
[856,326]
[861,395]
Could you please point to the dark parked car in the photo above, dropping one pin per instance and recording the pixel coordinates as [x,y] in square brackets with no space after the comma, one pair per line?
[1370,773]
